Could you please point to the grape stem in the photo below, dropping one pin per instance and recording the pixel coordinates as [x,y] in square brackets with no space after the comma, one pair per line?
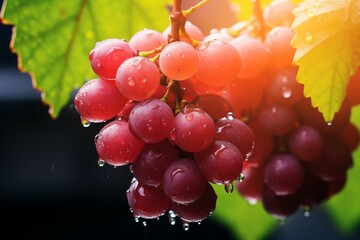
[259,18]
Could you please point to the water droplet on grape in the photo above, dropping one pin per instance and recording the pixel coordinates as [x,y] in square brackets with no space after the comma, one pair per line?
[202,45]
[218,152]
[308,37]
[101,162]
[137,219]
[252,201]
[241,177]
[182,55]
[230,116]
[172,217]
[329,123]
[186,225]
[144,223]
[85,122]
[286,92]
[189,117]
[229,188]
[131,81]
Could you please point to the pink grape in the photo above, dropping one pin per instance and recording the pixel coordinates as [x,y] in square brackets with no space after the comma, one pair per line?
[151,120]
[116,145]
[194,130]
[147,201]
[108,55]
[138,78]
[178,60]
[147,40]
[99,100]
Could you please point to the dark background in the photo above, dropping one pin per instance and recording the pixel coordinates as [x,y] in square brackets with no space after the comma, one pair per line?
[52,188]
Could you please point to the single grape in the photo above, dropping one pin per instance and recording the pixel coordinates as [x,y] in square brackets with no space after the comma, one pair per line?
[183,181]
[277,119]
[219,62]
[99,100]
[116,145]
[194,130]
[253,55]
[151,120]
[147,40]
[277,42]
[284,174]
[351,136]
[146,201]
[251,187]
[280,207]
[178,60]
[191,29]
[138,78]
[284,88]
[313,190]
[198,210]
[154,159]
[221,162]
[279,13]
[235,131]
[108,55]
[306,143]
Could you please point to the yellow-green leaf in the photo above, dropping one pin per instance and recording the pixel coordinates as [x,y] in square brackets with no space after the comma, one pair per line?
[327,50]
[53,38]
[245,221]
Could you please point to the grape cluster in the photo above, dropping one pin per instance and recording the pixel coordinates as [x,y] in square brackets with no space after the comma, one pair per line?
[185,110]
[177,139]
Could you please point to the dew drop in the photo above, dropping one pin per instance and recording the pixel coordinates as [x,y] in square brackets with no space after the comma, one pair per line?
[229,188]
[172,217]
[241,177]
[186,225]
[286,92]
[85,122]
[202,45]
[329,123]
[230,116]
[189,117]
[308,37]
[101,162]
[182,55]
[131,81]
[144,223]
[137,219]
[252,201]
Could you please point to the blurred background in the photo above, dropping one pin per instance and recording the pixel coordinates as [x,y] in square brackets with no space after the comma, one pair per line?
[51,186]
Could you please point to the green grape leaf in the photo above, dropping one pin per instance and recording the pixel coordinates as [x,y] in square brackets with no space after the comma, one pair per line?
[245,221]
[327,46]
[53,38]
[344,207]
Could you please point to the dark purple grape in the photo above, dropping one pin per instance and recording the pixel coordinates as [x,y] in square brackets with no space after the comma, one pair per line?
[147,201]
[251,187]
[235,131]
[150,165]
[277,119]
[198,210]
[313,190]
[284,174]
[280,207]
[221,162]
[335,160]
[263,144]
[306,143]
[183,181]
